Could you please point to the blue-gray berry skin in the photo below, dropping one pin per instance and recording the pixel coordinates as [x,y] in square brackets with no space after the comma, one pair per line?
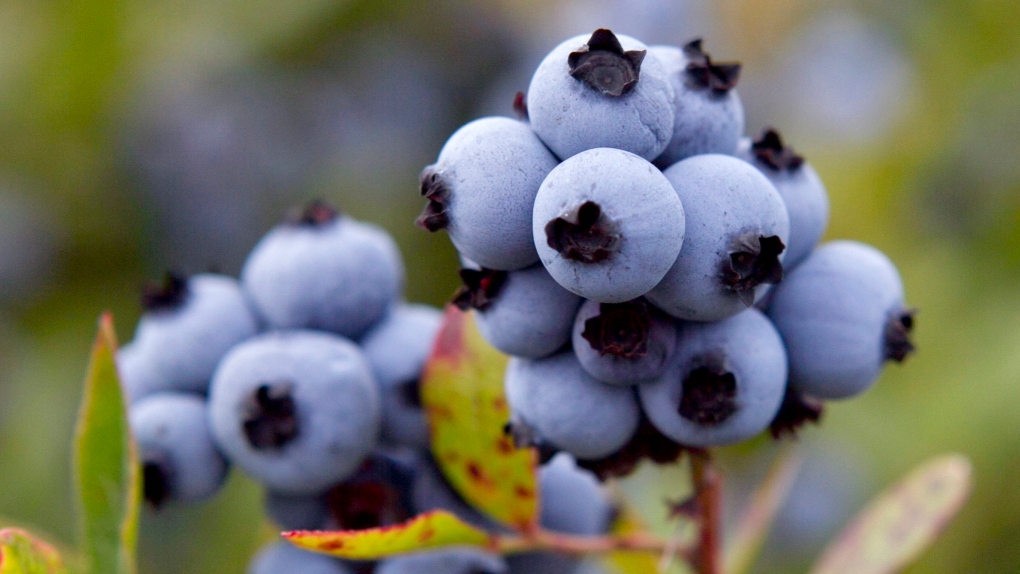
[573,502]
[446,561]
[842,315]
[482,188]
[397,350]
[572,116]
[802,190]
[608,225]
[563,406]
[285,558]
[724,386]
[186,329]
[297,511]
[431,491]
[297,410]
[328,273]
[180,461]
[706,119]
[623,343]
[530,316]
[735,240]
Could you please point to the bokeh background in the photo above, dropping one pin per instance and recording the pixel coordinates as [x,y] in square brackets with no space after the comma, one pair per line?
[138,136]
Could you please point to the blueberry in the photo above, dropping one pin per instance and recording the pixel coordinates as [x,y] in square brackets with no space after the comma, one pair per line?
[623,343]
[482,189]
[297,511]
[285,558]
[297,410]
[842,315]
[801,188]
[397,350]
[734,244]
[725,384]
[187,327]
[573,502]
[446,561]
[179,459]
[320,270]
[431,491]
[522,313]
[601,91]
[608,225]
[709,117]
[554,400]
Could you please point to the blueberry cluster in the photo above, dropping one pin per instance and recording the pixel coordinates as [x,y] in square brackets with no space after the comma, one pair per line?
[305,374]
[655,275]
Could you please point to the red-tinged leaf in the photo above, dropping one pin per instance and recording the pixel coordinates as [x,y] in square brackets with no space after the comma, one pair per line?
[106,465]
[757,519]
[462,390]
[23,553]
[427,531]
[902,522]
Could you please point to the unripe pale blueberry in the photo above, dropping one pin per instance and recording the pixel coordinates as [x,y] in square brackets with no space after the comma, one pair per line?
[608,225]
[297,410]
[179,459]
[187,327]
[734,243]
[724,386]
[623,343]
[708,115]
[397,350]
[445,561]
[285,558]
[801,188]
[842,315]
[522,313]
[482,189]
[324,271]
[601,91]
[559,403]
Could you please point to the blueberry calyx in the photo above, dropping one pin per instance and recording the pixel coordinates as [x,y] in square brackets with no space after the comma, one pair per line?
[898,345]
[583,234]
[434,189]
[270,417]
[480,289]
[156,479]
[795,411]
[768,148]
[316,213]
[709,392]
[166,295]
[520,106]
[620,329]
[604,66]
[753,260]
[703,73]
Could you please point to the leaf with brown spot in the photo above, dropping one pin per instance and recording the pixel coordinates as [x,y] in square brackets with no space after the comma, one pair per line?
[462,391]
[431,530]
[902,522]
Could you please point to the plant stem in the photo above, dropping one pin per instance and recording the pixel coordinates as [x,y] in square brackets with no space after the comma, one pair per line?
[708,490]
[581,545]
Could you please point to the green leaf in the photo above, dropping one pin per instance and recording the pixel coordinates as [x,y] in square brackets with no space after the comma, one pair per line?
[427,531]
[23,553]
[106,465]
[902,522]
[757,519]
[462,391]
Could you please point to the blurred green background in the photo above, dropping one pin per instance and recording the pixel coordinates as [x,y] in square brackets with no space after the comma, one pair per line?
[140,136]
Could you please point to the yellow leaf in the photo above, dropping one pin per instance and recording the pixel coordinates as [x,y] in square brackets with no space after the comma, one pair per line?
[902,522]
[623,562]
[23,553]
[462,390]
[427,531]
